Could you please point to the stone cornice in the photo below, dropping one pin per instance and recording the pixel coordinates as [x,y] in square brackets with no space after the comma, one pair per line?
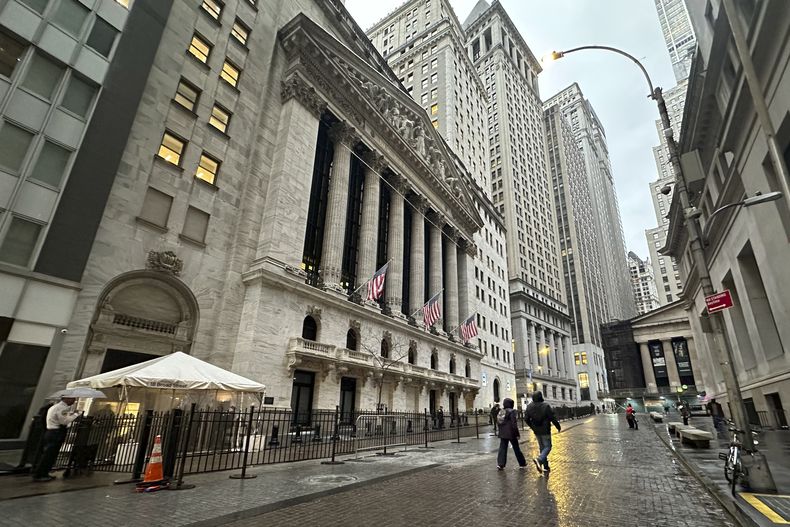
[295,87]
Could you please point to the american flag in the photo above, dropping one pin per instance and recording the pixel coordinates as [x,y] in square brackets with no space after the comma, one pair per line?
[432,310]
[469,328]
[376,284]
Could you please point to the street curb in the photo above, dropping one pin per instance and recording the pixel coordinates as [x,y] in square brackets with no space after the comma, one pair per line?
[731,506]
[270,507]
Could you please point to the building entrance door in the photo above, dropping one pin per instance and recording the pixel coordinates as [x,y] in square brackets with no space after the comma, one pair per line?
[775,404]
[348,396]
[302,396]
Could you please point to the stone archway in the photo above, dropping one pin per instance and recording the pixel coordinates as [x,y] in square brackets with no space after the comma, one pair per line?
[140,315]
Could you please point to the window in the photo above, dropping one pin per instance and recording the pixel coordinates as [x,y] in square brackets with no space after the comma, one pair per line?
[10,51]
[36,5]
[576,358]
[434,64]
[220,118]
[584,357]
[42,76]
[434,109]
[102,37]
[240,32]
[70,16]
[187,95]
[435,124]
[50,164]
[213,8]
[424,98]
[207,169]
[14,143]
[200,49]
[195,225]
[19,242]
[79,96]
[171,148]
[434,78]
[584,380]
[156,207]
[230,73]
[433,93]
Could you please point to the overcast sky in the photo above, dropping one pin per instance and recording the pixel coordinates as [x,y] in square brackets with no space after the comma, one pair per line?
[613,84]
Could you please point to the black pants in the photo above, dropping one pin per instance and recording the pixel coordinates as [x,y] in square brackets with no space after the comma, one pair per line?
[501,458]
[53,440]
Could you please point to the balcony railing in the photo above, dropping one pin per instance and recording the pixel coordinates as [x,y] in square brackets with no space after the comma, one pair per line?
[144,323]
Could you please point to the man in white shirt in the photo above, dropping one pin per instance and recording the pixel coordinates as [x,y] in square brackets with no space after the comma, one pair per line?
[59,418]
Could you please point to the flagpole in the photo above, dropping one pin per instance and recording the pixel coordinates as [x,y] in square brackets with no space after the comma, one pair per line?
[428,302]
[461,324]
[369,279]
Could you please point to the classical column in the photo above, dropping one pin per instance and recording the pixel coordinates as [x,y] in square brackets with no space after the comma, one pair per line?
[394,286]
[551,362]
[369,224]
[533,347]
[647,367]
[451,282]
[541,345]
[344,137]
[465,279]
[672,365]
[417,256]
[435,272]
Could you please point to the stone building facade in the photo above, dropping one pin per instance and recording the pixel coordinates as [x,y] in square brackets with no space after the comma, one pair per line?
[273,164]
[643,284]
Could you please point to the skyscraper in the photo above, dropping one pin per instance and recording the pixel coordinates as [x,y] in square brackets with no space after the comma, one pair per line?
[522,192]
[423,42]
[643,284]
[591,138]
[678,35]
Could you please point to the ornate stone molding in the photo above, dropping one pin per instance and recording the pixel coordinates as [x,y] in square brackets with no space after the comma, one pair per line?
[375,161]
[295,87]
[314,311]
[343,133]
[354,324]
[165,261]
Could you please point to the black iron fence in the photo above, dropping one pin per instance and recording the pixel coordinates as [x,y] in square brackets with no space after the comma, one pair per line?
[207,440]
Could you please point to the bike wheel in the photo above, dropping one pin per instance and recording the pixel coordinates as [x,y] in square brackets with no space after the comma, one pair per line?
[736,474]
[728,471]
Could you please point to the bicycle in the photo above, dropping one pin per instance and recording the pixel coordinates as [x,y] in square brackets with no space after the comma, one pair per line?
[733,466]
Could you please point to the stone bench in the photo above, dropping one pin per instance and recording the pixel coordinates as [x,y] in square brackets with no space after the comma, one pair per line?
[672,424]
[696,438]
[657,417]
[679,427]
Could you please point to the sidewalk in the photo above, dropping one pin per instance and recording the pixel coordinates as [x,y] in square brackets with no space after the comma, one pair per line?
[706,465]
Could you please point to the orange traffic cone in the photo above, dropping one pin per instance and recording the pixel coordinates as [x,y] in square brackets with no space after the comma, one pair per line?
[154,478]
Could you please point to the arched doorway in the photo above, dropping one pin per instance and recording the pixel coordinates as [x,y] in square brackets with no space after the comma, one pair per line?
[140,315]
[352,342]
[309,328]
[496,390]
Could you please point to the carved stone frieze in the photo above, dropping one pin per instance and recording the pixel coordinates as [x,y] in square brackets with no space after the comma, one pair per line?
[295,87]
[354,324]
[165,261]
[343,133]
[375,161]
[314,311]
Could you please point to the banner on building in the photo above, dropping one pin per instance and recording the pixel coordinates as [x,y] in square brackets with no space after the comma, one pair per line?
[681,350]
[659,362]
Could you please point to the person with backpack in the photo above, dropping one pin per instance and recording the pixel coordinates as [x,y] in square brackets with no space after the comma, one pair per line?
[540,417]
[507,422]
[630,417]
[493,416]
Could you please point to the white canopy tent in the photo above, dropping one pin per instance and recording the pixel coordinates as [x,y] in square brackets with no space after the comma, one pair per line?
[173,380]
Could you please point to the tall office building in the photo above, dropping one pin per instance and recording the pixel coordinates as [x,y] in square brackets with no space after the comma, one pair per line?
[681,43]
[423,41]
[643,284]
[678,35]
[522,192]
[580,250]
[591,138]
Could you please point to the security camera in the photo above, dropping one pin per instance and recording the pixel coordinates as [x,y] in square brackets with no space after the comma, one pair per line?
[64,331]
[665,190]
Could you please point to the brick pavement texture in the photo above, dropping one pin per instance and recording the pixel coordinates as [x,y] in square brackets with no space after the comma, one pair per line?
[603,474]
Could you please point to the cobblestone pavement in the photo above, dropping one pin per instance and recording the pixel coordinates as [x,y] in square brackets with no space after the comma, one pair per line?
[603,474]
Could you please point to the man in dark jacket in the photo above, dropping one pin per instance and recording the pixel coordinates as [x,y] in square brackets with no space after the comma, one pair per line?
[508,433]
[492,416]
[540,417]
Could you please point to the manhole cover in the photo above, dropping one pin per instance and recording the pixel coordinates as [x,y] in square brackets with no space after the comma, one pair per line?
[331,478]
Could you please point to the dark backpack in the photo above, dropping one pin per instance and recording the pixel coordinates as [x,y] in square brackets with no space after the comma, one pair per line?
[501,417]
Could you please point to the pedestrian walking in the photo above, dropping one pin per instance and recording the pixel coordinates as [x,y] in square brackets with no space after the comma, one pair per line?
[440,416]
[716,412]
[59,418]
[540,417]
[507,422]
[630,417]
[684,412]
[666,408]
[492,416]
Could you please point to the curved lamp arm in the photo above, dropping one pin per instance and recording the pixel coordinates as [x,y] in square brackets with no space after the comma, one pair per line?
[709,220]
[559,54]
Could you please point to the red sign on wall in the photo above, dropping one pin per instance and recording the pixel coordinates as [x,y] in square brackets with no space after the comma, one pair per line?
[719,301]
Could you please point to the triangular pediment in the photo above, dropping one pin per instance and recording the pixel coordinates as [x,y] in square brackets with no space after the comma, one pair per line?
[362,93]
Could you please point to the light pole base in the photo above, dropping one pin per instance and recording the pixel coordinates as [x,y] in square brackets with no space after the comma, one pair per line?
[760,478]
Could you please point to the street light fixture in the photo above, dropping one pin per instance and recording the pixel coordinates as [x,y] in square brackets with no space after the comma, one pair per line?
[748,202]
[760,477]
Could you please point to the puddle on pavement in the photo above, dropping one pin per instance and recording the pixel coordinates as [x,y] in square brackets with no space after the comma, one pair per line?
[330,478]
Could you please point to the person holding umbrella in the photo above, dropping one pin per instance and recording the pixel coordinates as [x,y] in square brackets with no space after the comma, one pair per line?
[59,418]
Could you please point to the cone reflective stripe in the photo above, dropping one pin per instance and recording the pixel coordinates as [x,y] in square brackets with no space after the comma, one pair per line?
[154,476]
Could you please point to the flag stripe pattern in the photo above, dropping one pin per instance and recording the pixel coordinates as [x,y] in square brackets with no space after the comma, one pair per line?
[376,284]
[469,328]
[431,311]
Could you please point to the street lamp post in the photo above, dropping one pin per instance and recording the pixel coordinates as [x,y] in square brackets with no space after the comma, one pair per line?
[760,477]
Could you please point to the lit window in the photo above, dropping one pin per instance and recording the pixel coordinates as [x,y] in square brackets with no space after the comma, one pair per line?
[19,242]
[187,95]
[435,123]
[240,32]
[576,358]
[207,169]
[199,49]
[124,3]
[213,8]
[584,380]
[220,118]
[171,148]
[14,143]
[434,109]
[10,51]
[584,358]
[230,73]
